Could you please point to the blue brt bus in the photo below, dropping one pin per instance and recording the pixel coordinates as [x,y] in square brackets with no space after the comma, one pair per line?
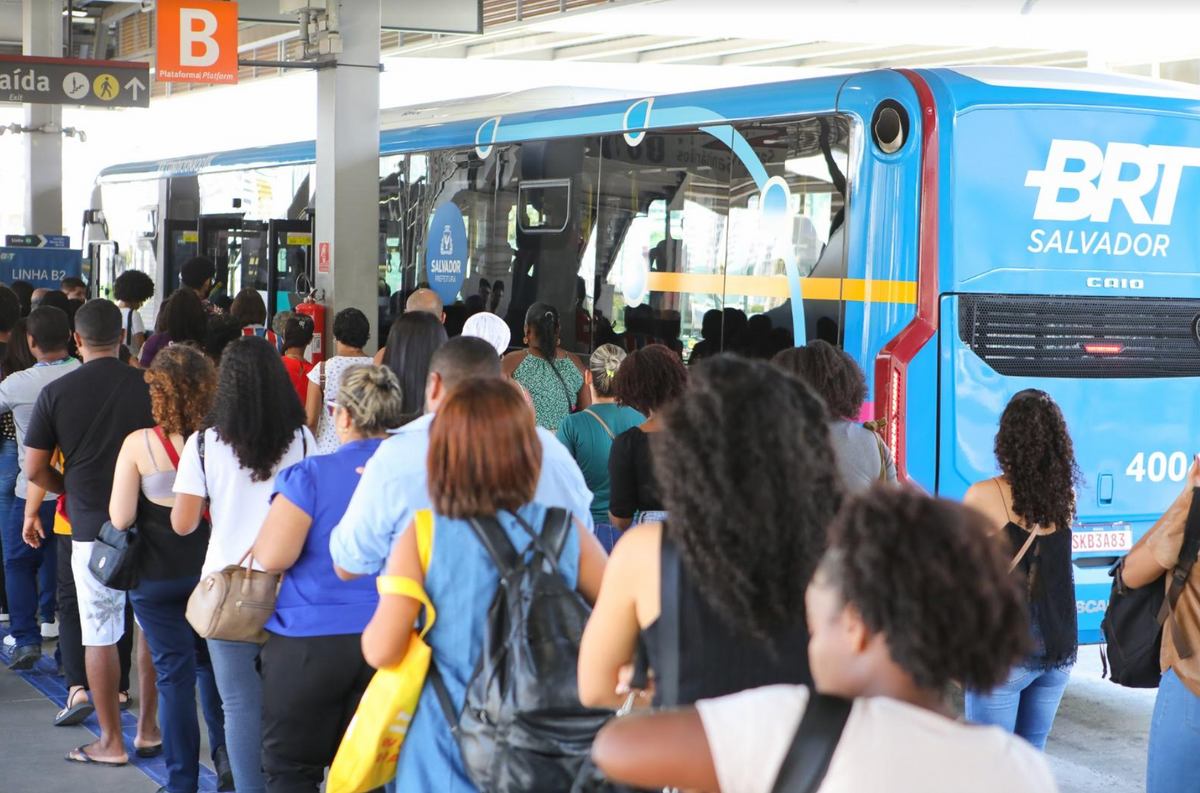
[963,233]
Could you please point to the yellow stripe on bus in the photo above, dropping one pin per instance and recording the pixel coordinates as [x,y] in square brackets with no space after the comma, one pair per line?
[853,289]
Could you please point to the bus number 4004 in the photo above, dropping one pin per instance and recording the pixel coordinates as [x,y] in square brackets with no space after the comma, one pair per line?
[1157,466]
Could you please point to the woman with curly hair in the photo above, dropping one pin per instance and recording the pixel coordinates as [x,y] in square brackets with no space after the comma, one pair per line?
[720,586]
[255,429]
[649,381]
[1030,507]
[182,386]
[862,456]
[887,607]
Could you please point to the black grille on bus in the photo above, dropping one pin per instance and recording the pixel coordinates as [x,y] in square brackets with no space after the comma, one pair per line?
[1049,336]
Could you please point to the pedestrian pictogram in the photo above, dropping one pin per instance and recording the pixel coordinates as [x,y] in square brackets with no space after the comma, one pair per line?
[73,81]
[76,85]
[106,87]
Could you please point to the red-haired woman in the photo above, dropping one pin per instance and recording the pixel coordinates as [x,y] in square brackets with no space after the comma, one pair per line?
[484,459]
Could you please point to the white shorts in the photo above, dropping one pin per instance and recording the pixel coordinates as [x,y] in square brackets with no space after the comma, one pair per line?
[101,610]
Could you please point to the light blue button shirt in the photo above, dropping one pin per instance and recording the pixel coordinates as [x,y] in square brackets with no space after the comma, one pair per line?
[395,485]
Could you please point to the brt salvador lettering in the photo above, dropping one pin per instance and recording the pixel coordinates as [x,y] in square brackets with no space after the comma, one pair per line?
[1082,182]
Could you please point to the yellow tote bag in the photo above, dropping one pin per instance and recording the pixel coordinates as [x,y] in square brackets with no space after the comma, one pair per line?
[366,758]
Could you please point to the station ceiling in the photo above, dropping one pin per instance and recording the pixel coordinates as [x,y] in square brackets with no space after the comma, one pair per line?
[832,35]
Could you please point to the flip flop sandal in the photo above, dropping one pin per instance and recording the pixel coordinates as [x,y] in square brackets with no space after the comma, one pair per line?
[148,751]
[80,756]
[74,714]
[123,705]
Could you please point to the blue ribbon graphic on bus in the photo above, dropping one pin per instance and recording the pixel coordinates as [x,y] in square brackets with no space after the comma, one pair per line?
[446,252]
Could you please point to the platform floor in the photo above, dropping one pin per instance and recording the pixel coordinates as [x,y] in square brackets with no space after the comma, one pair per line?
[32,749]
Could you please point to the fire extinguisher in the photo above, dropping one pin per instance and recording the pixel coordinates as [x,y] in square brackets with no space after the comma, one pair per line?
[310,307]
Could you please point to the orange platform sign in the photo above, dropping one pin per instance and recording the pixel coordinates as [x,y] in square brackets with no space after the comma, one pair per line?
[197,41]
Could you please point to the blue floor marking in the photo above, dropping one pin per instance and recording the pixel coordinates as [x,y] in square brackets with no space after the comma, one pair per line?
[44,677]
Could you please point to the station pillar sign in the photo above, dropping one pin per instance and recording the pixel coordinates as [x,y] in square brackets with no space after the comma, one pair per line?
[197,41]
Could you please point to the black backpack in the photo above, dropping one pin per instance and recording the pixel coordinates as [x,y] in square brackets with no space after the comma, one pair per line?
[522,727]
[1133,622]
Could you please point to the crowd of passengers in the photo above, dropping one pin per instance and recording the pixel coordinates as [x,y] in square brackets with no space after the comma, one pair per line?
[741,552]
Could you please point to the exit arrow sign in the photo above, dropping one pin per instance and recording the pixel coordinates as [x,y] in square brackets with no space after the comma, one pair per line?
[70,81]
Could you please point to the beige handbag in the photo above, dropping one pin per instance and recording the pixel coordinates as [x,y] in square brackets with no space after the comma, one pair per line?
[234,604]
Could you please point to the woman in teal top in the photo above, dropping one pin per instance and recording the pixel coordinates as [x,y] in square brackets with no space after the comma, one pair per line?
[589,434]
[553,379]
[484,460]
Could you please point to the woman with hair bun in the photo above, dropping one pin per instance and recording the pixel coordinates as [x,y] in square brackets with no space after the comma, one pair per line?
[553,379]
[1031,506]
[589,434]
[312,664]
[910,596]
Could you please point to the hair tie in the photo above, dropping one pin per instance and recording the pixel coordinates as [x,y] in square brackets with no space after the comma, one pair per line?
[611,373]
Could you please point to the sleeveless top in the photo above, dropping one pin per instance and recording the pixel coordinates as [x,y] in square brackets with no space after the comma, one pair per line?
[461,582]
[160,484]
[553,388]
[714,659]
[1048,581]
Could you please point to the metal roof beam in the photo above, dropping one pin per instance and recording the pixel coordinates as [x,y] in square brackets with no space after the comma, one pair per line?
[711,49]
[623,46]
[523,45]
[876,55]
[788,53]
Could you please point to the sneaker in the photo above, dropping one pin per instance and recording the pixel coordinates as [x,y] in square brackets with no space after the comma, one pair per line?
[10,641]
[50,630]
[24,658]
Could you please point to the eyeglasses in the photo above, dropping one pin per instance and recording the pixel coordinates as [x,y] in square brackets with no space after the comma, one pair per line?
[331,406]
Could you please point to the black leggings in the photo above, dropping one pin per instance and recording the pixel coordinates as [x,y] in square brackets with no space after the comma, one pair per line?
[311,688]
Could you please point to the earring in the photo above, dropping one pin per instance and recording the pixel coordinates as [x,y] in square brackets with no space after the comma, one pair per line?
[526,340]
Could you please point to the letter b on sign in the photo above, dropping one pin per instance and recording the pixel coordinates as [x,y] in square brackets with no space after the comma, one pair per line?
[197,41]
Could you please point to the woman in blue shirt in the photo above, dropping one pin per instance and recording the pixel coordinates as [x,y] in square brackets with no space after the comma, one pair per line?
[312,665]
[484,457]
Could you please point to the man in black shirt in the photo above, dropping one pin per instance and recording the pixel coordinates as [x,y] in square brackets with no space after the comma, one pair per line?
[87,414]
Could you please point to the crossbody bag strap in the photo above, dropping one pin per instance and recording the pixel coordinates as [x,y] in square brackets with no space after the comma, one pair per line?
[670,584]
[594,415]
[808,758]
[1178,577]
[169,447]
[101,414]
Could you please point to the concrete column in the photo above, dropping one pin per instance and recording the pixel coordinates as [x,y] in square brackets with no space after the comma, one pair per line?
[347,185]
[42,34]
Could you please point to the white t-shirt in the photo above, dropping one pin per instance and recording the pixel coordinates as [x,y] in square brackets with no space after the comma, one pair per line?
[237,504]
[131,325]
[887,745]
[327,439]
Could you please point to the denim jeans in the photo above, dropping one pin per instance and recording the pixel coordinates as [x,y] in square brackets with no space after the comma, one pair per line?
[1025,704]
[180,657]
[241,687]
[8,485]
[608,535]
[1174,739]
[24,569]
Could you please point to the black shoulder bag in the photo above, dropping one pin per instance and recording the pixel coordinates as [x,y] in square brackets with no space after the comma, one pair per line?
[1133,622]
[115,554]
[807,760]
